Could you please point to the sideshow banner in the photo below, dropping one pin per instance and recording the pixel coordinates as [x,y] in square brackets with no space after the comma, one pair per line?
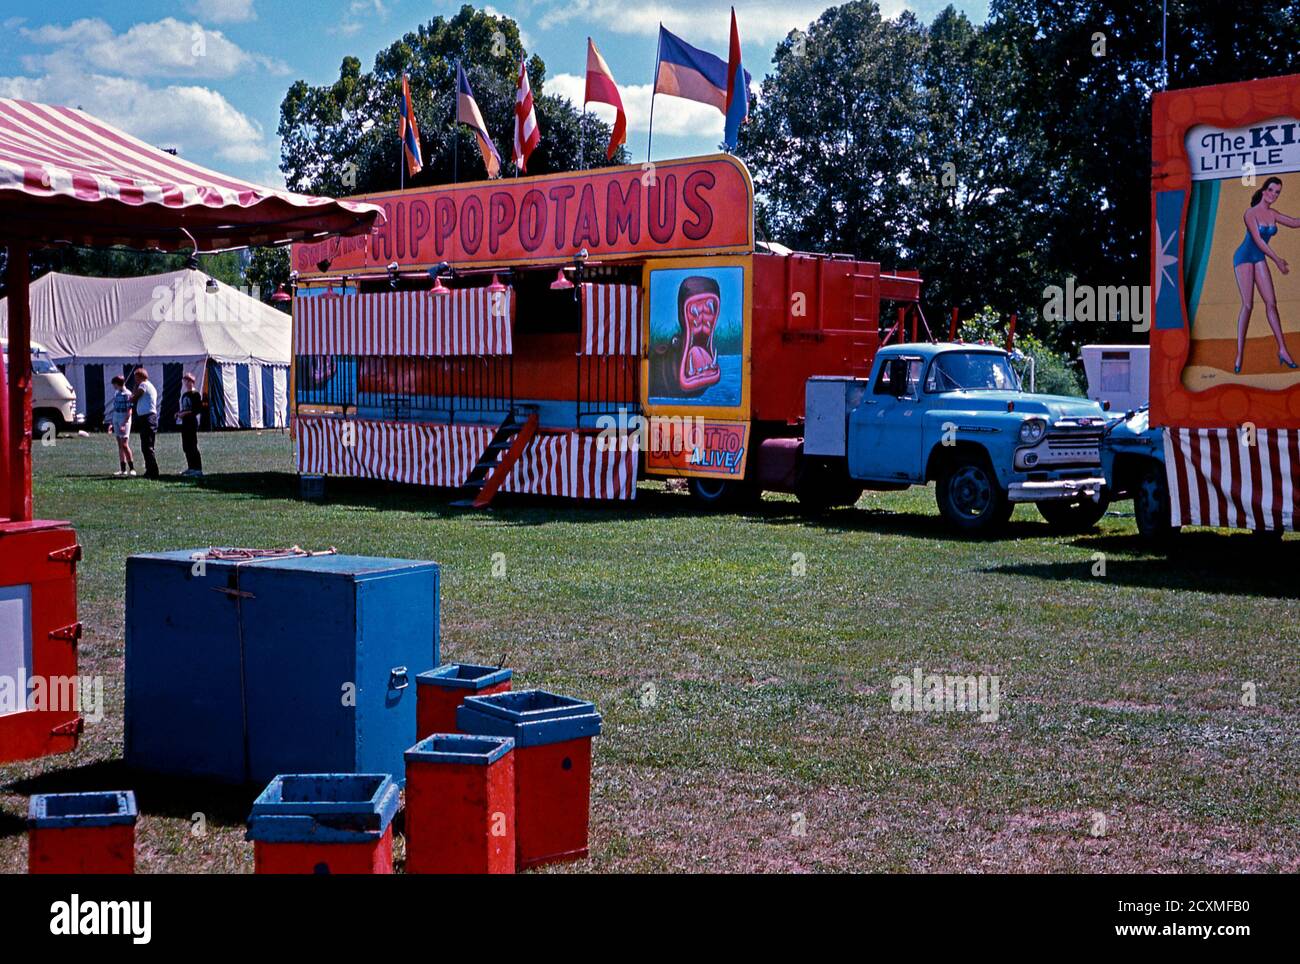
[1241,256]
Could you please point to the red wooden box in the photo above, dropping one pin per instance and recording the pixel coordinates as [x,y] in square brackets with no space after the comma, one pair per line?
[39,690]
[439,693]
[324,823]
[460,805]
[81,833]
[552,754]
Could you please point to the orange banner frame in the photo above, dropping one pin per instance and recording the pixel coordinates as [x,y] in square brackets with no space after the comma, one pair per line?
[1174,113]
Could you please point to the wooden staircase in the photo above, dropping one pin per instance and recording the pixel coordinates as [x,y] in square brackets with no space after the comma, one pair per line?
[502,452]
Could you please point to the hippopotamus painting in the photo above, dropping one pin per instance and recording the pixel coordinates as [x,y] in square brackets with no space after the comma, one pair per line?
[691,353]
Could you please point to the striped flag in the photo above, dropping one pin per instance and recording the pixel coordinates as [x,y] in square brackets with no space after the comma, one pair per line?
[467,112]
[601,89]
[409,131]
[527,134]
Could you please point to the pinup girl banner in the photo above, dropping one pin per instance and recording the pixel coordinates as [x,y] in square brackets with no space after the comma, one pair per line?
[1226,258]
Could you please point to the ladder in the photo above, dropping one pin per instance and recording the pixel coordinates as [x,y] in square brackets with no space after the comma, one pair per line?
[503,451]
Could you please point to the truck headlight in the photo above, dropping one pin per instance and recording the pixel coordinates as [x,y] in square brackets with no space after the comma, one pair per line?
[1031,430]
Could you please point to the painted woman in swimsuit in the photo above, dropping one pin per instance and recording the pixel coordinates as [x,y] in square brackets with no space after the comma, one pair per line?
[1250,264]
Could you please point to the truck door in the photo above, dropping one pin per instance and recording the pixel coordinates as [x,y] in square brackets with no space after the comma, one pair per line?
[885,429]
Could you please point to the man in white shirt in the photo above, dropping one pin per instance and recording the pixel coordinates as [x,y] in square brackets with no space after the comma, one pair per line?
[145,399]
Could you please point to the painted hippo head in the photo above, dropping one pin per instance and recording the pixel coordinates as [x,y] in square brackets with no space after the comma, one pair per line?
[696,361]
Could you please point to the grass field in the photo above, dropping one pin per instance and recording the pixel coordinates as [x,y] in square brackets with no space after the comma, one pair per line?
[744,667]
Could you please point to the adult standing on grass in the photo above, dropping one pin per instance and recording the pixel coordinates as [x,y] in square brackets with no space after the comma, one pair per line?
[117,419]
[188,418]
[145,399]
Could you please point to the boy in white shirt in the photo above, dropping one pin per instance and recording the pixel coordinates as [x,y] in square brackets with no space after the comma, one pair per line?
[117,419]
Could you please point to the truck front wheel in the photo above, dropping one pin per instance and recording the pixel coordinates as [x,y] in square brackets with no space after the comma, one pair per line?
[1151,504]
[970,498]
[1065,516]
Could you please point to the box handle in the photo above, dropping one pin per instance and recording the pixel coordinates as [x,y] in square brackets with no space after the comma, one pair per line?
[398,673]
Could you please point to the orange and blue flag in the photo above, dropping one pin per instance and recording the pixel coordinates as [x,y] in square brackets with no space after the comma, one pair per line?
[409,131]
[694,74]
[467,112]
[737,111]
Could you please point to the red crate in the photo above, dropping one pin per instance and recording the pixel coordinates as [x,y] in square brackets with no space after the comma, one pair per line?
[439,693]
[324,823]
[38,596]
[460,805]
[552,754]
[81,833]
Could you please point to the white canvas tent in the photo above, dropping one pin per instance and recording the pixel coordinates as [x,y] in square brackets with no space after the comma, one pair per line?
[237,348]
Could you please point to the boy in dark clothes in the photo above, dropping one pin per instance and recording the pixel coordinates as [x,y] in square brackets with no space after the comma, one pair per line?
[191,408]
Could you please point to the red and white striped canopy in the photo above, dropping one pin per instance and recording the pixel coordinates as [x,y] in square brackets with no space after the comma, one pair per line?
[466,321]
[66,176]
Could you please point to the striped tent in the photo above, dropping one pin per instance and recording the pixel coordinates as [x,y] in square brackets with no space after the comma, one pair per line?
[236,347]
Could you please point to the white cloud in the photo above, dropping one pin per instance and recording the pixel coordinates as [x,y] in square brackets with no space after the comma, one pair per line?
[696,21]
[223,11]
[524,38]
[674,117]
[199,122]
[357,12]
[165,48]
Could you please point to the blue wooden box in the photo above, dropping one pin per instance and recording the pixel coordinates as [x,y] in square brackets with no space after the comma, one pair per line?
[239,671]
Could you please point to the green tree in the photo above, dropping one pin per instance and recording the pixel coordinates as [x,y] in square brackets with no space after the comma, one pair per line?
[830,139]
[341,138]
[267,269]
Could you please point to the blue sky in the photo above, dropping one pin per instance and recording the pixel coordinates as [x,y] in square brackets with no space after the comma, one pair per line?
[207,76]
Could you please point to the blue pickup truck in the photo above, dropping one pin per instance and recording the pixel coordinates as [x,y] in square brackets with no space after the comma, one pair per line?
[954,414]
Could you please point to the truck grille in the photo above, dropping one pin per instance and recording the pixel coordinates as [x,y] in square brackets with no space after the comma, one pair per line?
[1074,446]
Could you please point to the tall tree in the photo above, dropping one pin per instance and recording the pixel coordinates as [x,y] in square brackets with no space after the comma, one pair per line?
[830,140]
[341,138]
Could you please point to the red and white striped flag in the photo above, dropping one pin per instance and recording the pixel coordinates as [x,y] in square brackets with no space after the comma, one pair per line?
[527,135]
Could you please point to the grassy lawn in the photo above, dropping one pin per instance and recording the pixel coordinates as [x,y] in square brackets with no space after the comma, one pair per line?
[744,667]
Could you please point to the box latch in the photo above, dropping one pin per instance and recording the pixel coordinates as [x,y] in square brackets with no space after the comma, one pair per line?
[70,553]
[70,728]
[71,632]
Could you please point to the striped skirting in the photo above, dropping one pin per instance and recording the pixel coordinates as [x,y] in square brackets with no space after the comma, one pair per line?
[1217,477]
[566,464]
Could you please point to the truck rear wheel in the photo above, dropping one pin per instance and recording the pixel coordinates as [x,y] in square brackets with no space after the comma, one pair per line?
[823,485]
[970,498]
[1151,504]
[1063,515]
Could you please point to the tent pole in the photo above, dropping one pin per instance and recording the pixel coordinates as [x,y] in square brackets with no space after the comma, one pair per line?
[18,289]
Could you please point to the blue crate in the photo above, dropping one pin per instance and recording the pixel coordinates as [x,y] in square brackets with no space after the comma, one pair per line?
[237,671]
[324,808]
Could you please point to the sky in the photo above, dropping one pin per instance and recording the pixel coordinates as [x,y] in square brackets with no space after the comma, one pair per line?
[206,77]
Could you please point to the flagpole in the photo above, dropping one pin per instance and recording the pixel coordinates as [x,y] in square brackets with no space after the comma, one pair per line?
[654,86]
[455,126]
[582,138]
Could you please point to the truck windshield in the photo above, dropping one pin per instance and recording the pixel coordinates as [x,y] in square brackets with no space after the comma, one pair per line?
[971,371]
[42,366]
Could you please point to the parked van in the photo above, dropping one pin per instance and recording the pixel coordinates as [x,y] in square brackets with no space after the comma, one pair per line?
[54,400]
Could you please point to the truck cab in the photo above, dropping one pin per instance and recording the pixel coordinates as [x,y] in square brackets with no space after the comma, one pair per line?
[956,414]
[54,400]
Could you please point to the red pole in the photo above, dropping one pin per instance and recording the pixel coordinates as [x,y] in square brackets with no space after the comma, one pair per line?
[20,384]
[952,325]
[1011,332]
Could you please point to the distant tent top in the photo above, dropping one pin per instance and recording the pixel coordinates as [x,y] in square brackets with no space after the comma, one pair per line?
[167,316]
[66,176]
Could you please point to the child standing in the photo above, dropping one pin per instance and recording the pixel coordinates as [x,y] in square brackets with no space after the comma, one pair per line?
[117,419]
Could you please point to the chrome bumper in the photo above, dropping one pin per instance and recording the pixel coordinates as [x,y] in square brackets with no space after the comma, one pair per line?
[1058,489]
